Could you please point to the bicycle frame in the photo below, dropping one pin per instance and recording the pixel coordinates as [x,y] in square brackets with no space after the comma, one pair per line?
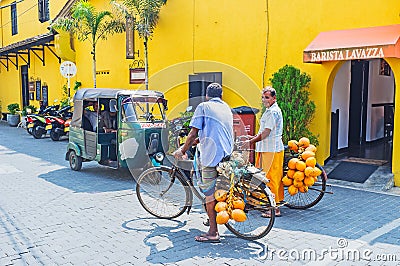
[257,196]
[188,180]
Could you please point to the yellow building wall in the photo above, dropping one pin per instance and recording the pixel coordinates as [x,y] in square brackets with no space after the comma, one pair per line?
[10,86]
[293,25]
[395,65]
[246,42]
[28,21]
[189,32]
[28,27]
[189,39]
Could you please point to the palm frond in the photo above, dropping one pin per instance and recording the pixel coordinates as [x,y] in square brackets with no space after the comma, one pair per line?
[145,12]
[88,24]
[83,10]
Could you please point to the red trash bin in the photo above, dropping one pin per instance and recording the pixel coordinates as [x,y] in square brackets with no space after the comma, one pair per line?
[244,123]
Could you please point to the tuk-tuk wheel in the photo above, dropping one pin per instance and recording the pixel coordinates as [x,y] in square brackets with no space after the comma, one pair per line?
[75,161]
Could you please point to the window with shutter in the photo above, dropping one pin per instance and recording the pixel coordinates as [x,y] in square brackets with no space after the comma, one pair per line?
[43,10]
[14,22]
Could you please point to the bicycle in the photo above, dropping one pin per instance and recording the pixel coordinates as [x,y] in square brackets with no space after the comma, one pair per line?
[301,200]
[160,189]
[167,192]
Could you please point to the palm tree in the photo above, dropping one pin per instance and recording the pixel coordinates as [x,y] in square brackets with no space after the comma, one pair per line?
[88,24]
[145,14]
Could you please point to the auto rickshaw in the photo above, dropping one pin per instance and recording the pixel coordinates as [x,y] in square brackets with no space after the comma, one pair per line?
[138,139]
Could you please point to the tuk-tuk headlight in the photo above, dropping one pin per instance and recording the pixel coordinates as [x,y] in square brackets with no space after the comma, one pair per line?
[159,156]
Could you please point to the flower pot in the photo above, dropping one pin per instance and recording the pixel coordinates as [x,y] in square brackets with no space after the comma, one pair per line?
[13,120]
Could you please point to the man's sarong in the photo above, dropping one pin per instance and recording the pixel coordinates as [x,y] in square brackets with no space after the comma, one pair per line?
[208,180]
[272,164]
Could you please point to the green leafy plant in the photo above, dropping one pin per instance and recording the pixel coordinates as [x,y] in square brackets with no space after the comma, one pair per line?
[293,98]
[77,85]
[186,117]
[13,108]
[176,125]
[145,14]
[88,24]
[65,100]
[29,109]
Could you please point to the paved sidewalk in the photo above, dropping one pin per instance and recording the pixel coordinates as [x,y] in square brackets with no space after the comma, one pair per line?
[51,215]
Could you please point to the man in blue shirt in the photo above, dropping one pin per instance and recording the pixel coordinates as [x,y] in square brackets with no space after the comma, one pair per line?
[212,123]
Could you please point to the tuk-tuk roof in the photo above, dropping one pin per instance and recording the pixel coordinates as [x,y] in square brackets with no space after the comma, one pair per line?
[93,93]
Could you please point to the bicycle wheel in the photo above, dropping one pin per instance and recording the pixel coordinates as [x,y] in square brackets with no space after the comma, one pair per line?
[162,192]
[312,197]
[256,226]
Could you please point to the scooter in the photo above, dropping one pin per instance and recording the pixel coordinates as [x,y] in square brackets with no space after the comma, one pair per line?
[31,119]
[59,124]
[36,124]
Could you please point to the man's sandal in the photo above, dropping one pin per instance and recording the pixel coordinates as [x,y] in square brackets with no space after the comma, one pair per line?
[207,239]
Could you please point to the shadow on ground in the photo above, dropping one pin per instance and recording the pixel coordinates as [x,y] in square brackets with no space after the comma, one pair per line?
[91,179]
[170,243]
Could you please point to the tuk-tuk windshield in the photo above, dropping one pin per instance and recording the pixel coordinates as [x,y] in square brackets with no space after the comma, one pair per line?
[142,109]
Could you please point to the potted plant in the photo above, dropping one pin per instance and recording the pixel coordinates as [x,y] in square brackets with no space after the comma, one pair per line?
[27,110]
[13,116]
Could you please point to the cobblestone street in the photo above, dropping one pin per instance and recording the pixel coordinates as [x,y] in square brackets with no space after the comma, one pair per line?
[51,215]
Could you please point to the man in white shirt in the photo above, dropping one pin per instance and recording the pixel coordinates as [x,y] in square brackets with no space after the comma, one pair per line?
[269,145]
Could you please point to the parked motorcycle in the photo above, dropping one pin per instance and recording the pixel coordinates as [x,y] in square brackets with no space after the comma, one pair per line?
[59,124]
[36,123]
[31,118]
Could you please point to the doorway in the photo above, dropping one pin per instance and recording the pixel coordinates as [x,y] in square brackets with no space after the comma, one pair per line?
[360,94]
[358,103]
[25,85]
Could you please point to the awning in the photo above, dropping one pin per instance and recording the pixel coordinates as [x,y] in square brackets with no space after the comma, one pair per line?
[27,43]
[352,44]
[23,49]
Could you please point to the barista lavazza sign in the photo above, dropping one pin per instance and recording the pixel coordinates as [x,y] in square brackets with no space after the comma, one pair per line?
[343,54]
